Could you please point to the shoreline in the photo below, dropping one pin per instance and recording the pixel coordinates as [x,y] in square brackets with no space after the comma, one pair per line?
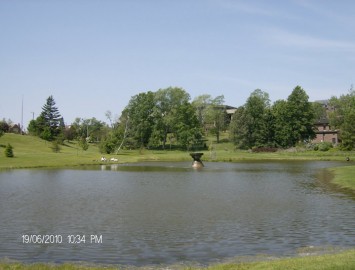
[34,153]
[309,258]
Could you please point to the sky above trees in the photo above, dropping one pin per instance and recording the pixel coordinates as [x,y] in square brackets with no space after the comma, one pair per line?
[92,56]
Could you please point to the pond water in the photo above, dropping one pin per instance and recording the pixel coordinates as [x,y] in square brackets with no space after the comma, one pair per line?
[166,213]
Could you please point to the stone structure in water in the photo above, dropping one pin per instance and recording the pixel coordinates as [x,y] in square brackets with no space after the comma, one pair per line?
[197,163]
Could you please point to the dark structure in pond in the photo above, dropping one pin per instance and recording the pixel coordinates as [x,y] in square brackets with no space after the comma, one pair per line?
[197,163]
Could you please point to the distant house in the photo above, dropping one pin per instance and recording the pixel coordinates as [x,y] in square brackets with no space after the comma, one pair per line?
[230,111]
[16,128]
[324,132]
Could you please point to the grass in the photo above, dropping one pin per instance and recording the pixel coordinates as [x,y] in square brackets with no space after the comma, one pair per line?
[344,177]
[344,260]
[32,152]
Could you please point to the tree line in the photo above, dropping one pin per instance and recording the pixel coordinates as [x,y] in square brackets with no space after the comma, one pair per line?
[167,119]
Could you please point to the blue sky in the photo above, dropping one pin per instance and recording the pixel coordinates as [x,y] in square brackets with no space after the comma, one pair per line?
[93,55]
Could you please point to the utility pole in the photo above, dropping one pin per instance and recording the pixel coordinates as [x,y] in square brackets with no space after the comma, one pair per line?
[22,116]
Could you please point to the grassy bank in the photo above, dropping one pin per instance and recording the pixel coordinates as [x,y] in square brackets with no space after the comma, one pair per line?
[32,152]
[344,260]
[344,177]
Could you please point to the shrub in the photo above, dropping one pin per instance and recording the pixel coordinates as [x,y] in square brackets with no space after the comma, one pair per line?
[9,151]
[323,146]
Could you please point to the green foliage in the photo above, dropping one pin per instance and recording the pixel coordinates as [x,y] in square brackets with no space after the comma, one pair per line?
[154,119]
[323,146]
[4,127]
[140,116]
[91,128]
[343,118]
[301,117]
[9,151]
[82,142]
[211,114]
[49,124]
[286,123]
[282,128]
[252,124]
[108,145]
[46,134]
[239,128]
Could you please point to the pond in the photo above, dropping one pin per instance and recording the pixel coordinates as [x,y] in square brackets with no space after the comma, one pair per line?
[167,213]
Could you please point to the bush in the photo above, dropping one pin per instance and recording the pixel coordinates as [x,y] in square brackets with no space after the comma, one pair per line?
[9,151]
[323,146]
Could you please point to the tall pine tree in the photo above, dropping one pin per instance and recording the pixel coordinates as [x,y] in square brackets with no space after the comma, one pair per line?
[49,124]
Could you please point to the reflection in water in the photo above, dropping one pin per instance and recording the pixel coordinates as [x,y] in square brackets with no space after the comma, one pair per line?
[155,213]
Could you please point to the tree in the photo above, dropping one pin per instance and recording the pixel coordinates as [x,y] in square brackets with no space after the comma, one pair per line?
[188,131]
[239,128]
[211,114]
[282,125]
[301,116]
[9,151]
[343,118]
[83,144]
[4,127]
[252,123]
[201,105]
[167,104]
[216,115]
[90,129]
[49,124]
[152,119]
[294,119]
[139,113]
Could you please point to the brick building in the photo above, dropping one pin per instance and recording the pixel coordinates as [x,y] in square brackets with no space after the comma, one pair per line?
[324,132]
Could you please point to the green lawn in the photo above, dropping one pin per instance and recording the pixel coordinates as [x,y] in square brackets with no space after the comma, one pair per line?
[344,260]
[344,177]
[32,152]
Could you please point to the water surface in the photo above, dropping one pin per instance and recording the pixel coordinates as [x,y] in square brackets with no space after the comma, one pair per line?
[165,213]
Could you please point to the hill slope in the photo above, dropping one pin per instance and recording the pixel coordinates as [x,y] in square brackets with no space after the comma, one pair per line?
[32,151]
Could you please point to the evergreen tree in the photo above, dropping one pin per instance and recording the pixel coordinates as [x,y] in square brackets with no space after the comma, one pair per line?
[49,124]
[9,151]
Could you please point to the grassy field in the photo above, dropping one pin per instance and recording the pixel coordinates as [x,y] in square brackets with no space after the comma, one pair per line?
[344,260]
[32,152]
